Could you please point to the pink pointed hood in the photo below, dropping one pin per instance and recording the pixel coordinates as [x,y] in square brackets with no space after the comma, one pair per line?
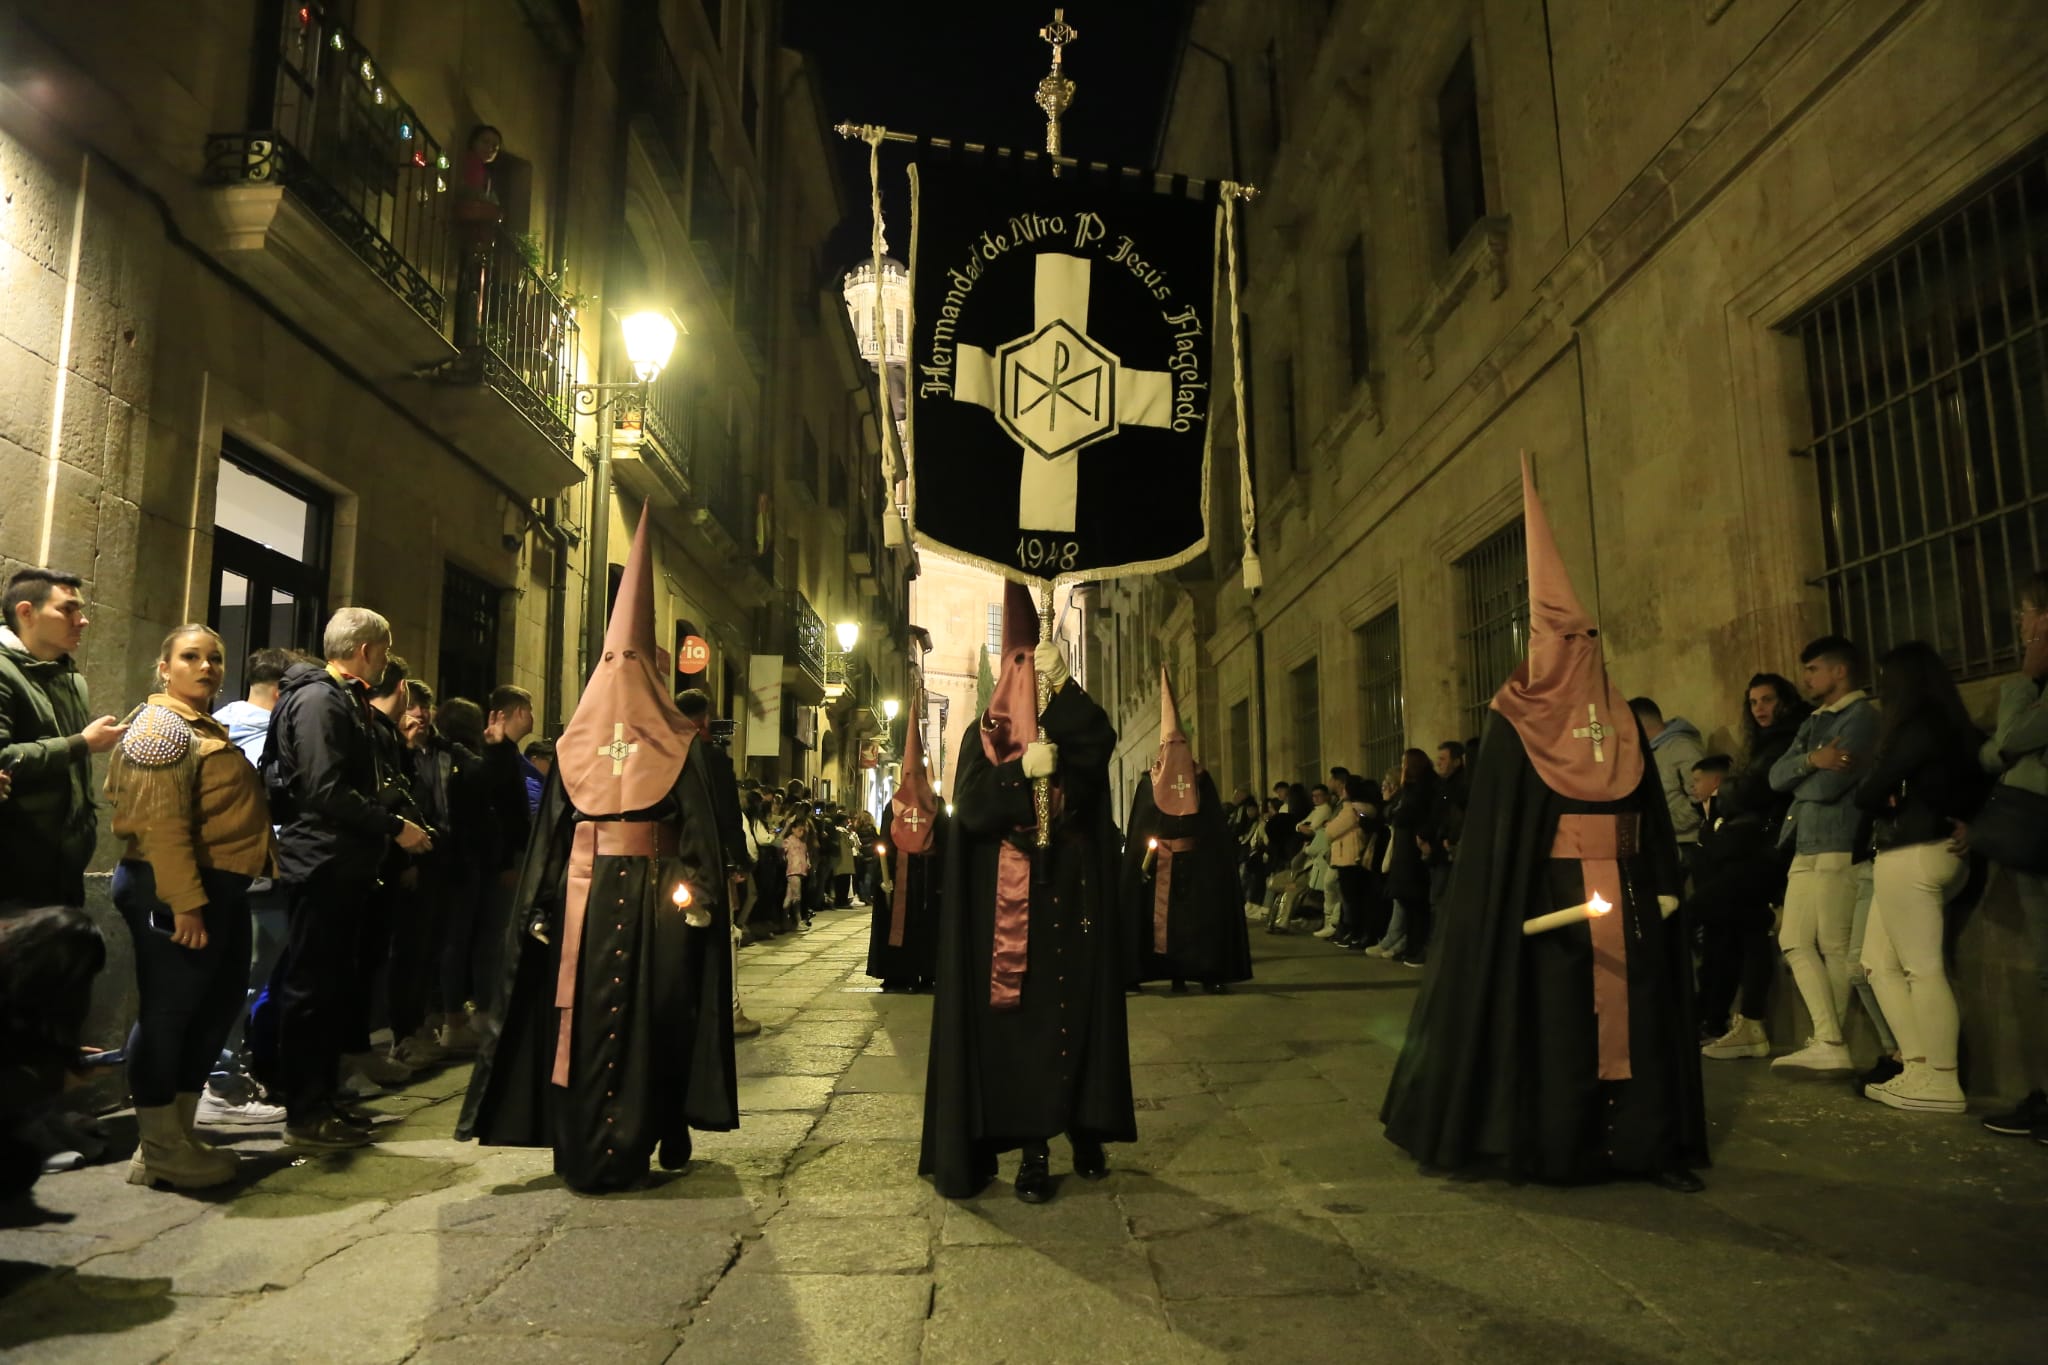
[915,805]
[1175,790]
[627,742]
[1574,722]
[1011,721]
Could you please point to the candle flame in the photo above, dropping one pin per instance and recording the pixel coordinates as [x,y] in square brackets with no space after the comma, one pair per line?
[882,849]
[1152,843]
[681,896]
[1598,904]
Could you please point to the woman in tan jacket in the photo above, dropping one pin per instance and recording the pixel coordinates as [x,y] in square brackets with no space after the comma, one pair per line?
[196,824]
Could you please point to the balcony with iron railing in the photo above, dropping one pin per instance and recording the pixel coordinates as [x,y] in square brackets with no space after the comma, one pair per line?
[342,207]
[652,445]
[803,643]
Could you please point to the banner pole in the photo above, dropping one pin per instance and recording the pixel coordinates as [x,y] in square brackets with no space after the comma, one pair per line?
[1041,787]
[862,132]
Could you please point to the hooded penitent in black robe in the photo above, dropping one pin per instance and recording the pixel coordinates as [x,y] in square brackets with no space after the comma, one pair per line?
[651,1049]
[1060,1060]
[1205,933]
[1500,1068]
[915,881]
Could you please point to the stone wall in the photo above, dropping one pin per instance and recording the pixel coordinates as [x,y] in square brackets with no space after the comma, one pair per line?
[1667,186]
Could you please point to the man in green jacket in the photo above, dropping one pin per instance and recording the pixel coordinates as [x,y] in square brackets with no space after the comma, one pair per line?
[47,740]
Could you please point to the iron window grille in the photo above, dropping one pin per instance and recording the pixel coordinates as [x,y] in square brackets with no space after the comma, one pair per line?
[468,662]
[1929,395]
[1379,686]
[1495,636]
[1305,691]
[995,628]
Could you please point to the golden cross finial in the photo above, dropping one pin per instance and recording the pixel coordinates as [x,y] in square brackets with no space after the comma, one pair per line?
[1055,91]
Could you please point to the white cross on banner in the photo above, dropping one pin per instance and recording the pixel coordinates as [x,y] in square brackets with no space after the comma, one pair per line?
[1055,390]
[1063,338]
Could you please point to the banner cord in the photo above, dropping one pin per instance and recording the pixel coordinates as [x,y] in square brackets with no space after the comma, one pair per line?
[893,533]
[1254,577]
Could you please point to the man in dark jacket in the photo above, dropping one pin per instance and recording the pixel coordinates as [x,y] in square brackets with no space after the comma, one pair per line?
[324,776]
[508,721]
[47,740]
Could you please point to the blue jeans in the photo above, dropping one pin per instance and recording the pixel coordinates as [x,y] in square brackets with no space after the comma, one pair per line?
[191,997]
[1396,939]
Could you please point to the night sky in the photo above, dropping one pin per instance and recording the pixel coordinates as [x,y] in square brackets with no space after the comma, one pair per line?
[968,68]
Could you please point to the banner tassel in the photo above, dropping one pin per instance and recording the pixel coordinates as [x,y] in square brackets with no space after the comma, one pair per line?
[885,415]
[1254,577]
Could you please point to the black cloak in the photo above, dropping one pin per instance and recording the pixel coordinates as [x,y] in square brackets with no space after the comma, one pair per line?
[1206,937]
[1500,1067]
[1060,1061]
[651,1050]
[916,958]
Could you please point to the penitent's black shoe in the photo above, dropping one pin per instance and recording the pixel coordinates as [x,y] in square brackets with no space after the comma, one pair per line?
[675,1152]
[1090,1161]
[1180,988]
[1034,1177]
[1678,1180]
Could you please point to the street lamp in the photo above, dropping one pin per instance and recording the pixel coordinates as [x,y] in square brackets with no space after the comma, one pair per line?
[650,342]
[890,706]
[650,335]
[849,635]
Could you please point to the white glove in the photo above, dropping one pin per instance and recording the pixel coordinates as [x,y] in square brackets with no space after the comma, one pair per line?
[1040,759]
[1051,667]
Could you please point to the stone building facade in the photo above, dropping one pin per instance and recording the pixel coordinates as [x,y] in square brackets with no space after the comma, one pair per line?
[1758,285]
[272,341]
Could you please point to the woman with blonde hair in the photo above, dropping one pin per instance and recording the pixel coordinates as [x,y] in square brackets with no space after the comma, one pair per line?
[195,821]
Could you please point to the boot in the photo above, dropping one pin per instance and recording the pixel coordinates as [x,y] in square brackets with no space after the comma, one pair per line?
[188,1120]
[165,1156]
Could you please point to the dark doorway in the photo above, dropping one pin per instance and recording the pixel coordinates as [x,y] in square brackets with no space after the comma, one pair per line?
[270,549]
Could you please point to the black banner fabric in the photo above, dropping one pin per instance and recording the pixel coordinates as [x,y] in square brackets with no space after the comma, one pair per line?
[1061,367]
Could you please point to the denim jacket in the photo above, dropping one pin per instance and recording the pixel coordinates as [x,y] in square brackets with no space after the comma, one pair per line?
[1824,813]
[2018,751]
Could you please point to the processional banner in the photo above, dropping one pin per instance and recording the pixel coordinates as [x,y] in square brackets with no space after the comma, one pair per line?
[1061,361]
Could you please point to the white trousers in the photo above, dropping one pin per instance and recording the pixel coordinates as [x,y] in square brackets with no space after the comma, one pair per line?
[1820,912]
[1902,949]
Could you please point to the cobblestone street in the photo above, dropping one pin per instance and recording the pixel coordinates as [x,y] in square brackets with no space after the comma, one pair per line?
[1261,1215]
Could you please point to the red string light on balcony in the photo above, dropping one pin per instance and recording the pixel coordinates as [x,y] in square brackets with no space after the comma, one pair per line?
[305,15]
[419,159]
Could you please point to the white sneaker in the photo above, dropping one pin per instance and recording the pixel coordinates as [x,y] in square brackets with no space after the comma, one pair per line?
[358,1086]
[1745,1038]
[254,1112]
[1922,1089]
[461,1039]
[1816,1056]
[1377,951]
[419,1052]
[1327,931]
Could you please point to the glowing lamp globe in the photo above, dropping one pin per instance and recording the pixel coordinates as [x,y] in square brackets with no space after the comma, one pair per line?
[650,341]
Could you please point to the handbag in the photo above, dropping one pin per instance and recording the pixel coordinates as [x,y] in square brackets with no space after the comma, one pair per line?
[2012,829]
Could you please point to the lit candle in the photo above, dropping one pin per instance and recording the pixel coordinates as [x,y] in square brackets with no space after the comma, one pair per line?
[1571,914]
[693,914]
[1151,856]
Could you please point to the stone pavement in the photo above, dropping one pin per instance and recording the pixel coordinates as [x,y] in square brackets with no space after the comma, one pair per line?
[1260,1215]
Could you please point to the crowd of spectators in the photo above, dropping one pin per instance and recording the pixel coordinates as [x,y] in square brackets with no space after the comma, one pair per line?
[1850,831]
